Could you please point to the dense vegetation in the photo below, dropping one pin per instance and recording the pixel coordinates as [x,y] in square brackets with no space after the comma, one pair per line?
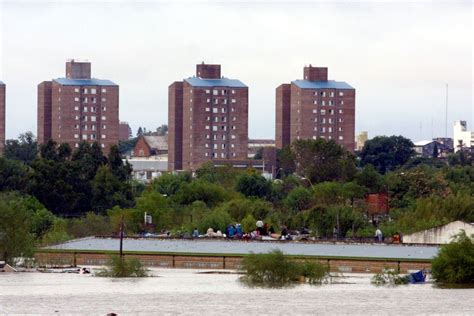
[63,194]
[274,269]
[454,263]
[120,267]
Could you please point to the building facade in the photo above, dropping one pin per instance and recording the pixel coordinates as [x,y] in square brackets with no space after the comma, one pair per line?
[315,107]
[462,138]
[207,119]
[125,132]
[78,108]
[2,117]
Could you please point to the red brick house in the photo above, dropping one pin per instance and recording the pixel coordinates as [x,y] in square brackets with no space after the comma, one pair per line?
[148,146]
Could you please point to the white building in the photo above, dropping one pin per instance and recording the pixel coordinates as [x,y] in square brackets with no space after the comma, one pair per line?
[460,133]
[439,235]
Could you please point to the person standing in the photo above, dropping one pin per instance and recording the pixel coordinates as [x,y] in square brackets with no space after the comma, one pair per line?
[378,235]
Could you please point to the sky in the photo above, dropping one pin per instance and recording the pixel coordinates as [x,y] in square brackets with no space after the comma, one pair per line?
[399,55]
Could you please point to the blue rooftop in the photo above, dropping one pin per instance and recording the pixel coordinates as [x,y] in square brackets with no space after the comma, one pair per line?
[1,82]
[84,82]
[224,82]
[330,84]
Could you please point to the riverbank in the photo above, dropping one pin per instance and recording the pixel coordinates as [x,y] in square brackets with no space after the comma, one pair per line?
[176,291]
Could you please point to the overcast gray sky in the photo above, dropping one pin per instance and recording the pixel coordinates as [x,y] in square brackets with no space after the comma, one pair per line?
[398,55]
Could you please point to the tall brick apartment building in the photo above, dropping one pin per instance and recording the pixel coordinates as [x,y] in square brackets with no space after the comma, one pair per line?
[207,119]
[78,108]
[2,117]
[315,107]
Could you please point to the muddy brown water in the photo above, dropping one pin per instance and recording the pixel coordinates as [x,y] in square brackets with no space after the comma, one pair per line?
[193,293]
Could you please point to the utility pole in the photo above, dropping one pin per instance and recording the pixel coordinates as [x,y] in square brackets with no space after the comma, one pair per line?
[121,237]
[446,118]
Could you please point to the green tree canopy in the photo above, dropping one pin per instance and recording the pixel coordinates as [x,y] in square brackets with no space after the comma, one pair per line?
[386,153]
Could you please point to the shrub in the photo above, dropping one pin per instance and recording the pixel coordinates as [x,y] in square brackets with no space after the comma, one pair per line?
[120,267]
[454,263]
[390,277]
[274,269]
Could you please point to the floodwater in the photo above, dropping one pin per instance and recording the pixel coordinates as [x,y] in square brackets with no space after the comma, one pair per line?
[240,247]
[187,292]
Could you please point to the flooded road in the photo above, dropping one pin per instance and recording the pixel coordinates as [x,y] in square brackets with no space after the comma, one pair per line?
[187,292]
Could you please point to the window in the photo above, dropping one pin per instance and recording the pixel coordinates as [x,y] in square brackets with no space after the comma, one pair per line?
[206,145]
[323,120]
[93,91]
[214,137]
[76,126]
[323,93]
[214,146]
[223,137]
[315,128]
[233,101]
[93,118]
[234,118]
[76,136]
[103,136]
[214,128]
[233,154]
[76,117]
[330,129]
[323,103]
[222,155]
[315,92]
[341,137]
[208,118]
[216,119]
[84,137]
[104,108]
[208,109]
[215,92]
[315,111]
[340,111]
[93,136]
[232,136]
[215,110]
[330,121]
[224,92]
[84,100]
[102,145]
[341,102]
[331,103]
[104,90]
[234,127]
[208,91]
[340,120]
[191,100]
[341,94]
[223,110]
[208,100]
[76,99]
[232,109]
[323,129]
[208,136]
[206,154]
[190,109]
[93,109]
[216,101]
[314,137]
[84,109]
[76,89]
[224,101]
[331,94]
[233,91]
[323,112]
[104,118]
[315,102]
[340,129]
[214,155]
[232,145]
[76,145]
[103,99]
[85,127]
[76,108]
[85,90]
[104,126]
[223,146]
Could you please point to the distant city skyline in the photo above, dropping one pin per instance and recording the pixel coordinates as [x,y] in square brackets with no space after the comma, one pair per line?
[399,56]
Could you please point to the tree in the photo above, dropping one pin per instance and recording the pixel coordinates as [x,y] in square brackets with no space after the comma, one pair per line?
[139,131]
[454,263]
[24,148]
[320,160]
[387,153]
[253,185]
[13,175]
[286,162]
[122,171]
[16,238]
[299,199]
[162,130]
[108,191]
[370,178]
